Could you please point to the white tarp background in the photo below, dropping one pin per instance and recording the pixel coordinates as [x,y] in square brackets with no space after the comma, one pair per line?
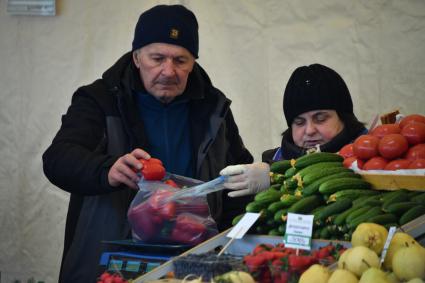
[249,49]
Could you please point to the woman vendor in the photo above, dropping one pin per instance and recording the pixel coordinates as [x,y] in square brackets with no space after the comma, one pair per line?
[319,112]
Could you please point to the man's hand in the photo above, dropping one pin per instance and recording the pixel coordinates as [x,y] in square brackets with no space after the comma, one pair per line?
[123,171]
[247,179]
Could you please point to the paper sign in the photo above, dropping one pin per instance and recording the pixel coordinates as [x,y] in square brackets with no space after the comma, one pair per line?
[391,233]
[240,229]
[299,228]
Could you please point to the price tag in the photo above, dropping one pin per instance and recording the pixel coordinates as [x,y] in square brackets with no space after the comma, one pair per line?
[240,229]
[391,233]
[299,228]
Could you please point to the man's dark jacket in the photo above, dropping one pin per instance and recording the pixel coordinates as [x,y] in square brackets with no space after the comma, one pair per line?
[102,124]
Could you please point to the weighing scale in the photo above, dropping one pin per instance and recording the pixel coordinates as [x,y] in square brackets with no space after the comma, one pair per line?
[133,258]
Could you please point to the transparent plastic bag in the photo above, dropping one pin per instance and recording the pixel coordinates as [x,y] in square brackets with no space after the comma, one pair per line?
[157,216]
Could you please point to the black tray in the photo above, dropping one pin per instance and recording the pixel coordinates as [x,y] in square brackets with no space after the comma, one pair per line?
[141,246]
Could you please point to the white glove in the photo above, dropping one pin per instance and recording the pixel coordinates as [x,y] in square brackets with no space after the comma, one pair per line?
[247,179]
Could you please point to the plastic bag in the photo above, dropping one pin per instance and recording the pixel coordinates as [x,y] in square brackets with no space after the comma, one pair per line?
[155,216]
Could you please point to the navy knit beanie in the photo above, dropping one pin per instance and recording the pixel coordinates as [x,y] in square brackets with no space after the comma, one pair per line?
[315,87]
[173,24]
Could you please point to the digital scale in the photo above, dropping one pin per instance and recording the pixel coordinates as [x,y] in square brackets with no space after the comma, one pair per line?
[132,258]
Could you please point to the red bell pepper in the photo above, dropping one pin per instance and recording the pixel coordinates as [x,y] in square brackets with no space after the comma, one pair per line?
[160,206]
[145,223]
[188,229]
[153,169]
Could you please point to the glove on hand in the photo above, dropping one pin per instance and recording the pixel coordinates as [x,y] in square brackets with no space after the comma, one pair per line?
[247,179]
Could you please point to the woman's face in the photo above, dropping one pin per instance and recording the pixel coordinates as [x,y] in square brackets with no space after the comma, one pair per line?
[316,127]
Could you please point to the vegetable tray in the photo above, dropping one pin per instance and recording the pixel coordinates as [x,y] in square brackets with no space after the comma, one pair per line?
[238,247]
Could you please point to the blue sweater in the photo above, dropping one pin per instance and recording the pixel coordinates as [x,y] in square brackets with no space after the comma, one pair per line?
[168,131]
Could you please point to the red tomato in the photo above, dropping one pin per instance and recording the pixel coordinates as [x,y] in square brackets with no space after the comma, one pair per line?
[417,164]
[412,117]
[393,146]
[385,129]
[375,163]
[416,152]
[349,160]
[346,151]
[398,164]
[366,146]
[414,132]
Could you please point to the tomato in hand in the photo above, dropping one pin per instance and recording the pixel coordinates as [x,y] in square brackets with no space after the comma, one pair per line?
[385,129]
[346,151]
[398,164]
[413,117]
[393,146]
[414,132]
[416,152]
[366,146]
[417,164]
[375,163]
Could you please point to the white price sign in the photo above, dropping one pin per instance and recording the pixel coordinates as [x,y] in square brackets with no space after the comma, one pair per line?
[299,228]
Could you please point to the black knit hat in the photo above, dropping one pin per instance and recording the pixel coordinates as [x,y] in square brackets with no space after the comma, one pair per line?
[173,24]
[315,87]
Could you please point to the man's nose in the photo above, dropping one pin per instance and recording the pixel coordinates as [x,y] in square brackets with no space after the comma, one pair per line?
[168,68]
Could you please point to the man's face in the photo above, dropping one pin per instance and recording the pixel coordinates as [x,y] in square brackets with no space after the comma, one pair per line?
[164,69]
[316,127]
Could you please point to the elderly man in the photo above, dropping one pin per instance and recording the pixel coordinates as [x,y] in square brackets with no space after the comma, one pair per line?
[154,101]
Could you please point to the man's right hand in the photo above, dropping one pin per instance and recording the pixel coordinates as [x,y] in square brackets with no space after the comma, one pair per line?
[123,170]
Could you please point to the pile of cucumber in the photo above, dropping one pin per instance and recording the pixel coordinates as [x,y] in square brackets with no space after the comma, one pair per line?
[339,198]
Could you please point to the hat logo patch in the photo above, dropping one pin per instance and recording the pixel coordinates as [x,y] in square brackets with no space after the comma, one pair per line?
[174,33]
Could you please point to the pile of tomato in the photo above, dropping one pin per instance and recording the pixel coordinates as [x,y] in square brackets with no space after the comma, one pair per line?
[389,146]
[278,264]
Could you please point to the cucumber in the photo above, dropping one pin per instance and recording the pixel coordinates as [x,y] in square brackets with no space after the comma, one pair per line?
[401,196]
[270,195]
[333,208]
[383,219]
[317,167]
[274,232]
[275,206]
[323,172]
[282,228]
[280,166]
[374,211]
[370,200]
[237,218]
[289,200]
[356,213]
[314,187]
[390,195]
[290,184]
[306,204]
[279,215]
[340,219]
[335,185]
[276,178]
[412,194]
[419,198]
[351,194]
[411,214]
[400,207]
[325,233]
[317,157]
[290,172]
[256,206]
